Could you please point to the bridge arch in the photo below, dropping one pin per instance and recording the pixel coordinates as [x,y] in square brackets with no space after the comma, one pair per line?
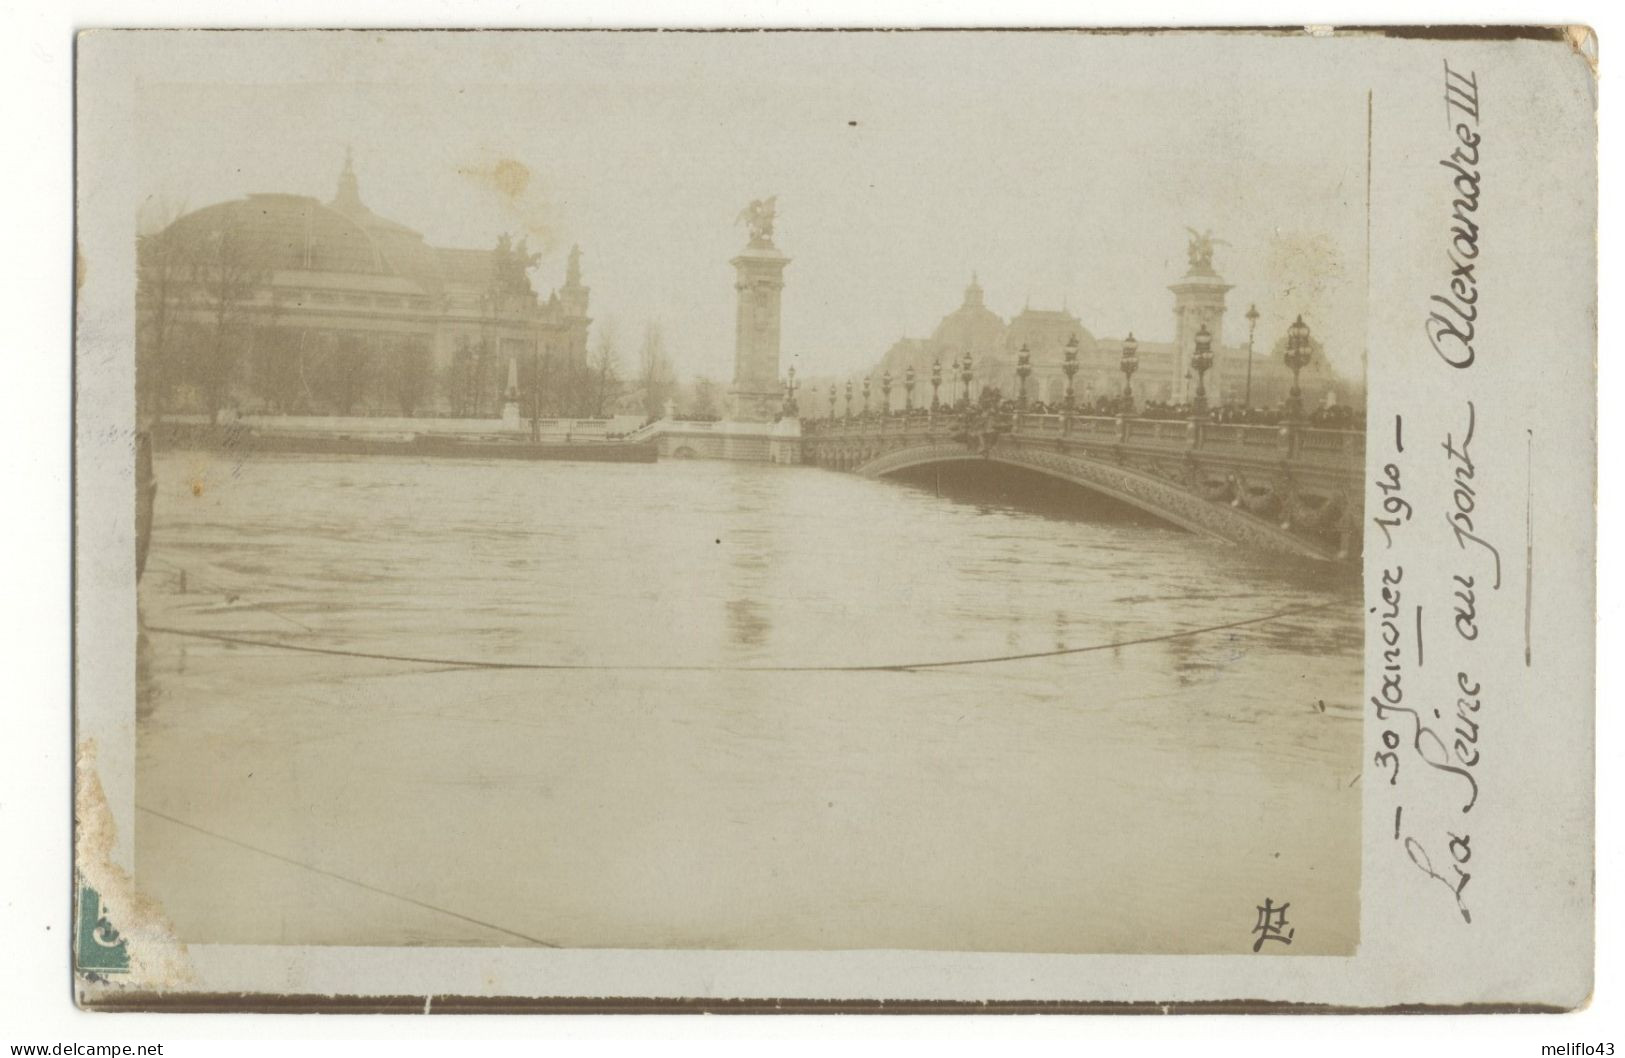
[1147,492]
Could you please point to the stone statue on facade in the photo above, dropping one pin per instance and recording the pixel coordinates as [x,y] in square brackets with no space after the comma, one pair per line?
[511,263]
[1200,249]
[758,216]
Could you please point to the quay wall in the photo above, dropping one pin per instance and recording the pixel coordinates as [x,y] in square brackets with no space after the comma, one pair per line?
[752,442]
[550,430]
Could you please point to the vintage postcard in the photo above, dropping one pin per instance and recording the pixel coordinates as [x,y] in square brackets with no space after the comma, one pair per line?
[634,520]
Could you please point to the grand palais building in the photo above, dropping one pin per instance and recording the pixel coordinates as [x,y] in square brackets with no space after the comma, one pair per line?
[283,303]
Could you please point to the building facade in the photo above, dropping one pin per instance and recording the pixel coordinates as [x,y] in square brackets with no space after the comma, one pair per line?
[283,303]
[1258,378]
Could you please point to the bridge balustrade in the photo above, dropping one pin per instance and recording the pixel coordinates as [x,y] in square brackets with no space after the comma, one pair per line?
[1289,441]
[1160,433]
[1224,434]
[1338,443]
[1045,425]
[1099,426]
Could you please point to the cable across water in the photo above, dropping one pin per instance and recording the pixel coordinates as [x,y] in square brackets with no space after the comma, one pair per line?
[547,666]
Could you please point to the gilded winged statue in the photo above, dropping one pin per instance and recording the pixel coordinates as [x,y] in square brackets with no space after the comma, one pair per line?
[759,216]
[1201,248]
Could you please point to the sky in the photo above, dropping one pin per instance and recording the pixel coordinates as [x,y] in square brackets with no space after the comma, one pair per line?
[1062,169]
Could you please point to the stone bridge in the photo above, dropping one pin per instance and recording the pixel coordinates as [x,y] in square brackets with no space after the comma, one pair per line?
[1292,488]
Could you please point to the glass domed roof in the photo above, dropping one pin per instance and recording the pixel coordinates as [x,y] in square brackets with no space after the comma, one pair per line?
[288,232]
[973,327]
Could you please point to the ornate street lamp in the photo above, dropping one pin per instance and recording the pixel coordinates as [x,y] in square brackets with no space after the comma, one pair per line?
[790,388]
[1297,358]
[885,392]
[1024,367]
[848,398]
[936,381]
[866,396]
[1069,364]
[908,389]
[1129,363]
[1252,325]
[1202,361]
[832,402]
[967,372]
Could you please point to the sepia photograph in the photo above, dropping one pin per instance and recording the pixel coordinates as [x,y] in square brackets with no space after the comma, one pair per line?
[753,492]
[784,521]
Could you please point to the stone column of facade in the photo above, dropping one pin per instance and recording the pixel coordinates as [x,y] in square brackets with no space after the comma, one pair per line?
[756,395]
[1198,301]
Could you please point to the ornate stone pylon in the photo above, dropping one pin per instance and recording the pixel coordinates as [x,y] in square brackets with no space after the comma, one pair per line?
[757,395]
[1198,302]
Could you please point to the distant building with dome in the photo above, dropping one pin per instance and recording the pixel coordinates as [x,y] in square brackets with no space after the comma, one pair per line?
[283,303]
[1164,373]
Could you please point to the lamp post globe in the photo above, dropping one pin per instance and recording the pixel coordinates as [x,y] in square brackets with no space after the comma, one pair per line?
[1024,368]
[849,398]
[1252,326]
[1202,361]
[966,373]
[936,381]
[1069,364]
[1297,358]
[790,387]
[865,394]
[1129,363]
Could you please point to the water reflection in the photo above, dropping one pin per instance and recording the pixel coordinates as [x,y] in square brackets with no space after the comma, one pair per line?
[748,624]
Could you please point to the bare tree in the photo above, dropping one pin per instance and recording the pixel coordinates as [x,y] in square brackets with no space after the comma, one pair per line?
[456,379]
[471,377]
[575,385]
[160,291]
[487,372]
[275,367]
[224,278]
[655,376]
[410,370]
[706,400]
[349,370]
[605,375]
[160,304]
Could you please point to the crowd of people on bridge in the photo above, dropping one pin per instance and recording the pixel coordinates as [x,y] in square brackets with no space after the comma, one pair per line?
[992,402]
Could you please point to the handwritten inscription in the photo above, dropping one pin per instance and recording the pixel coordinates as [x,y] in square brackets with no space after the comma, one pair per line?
[1430,728]
[1464,502]
[1396,509]
[1429,746]
[1451,326]
[1442,738]
[1442,743]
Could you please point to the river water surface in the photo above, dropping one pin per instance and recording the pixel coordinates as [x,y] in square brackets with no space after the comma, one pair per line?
[691,752]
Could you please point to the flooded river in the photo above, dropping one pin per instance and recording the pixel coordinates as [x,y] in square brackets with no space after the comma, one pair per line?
[603,705]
